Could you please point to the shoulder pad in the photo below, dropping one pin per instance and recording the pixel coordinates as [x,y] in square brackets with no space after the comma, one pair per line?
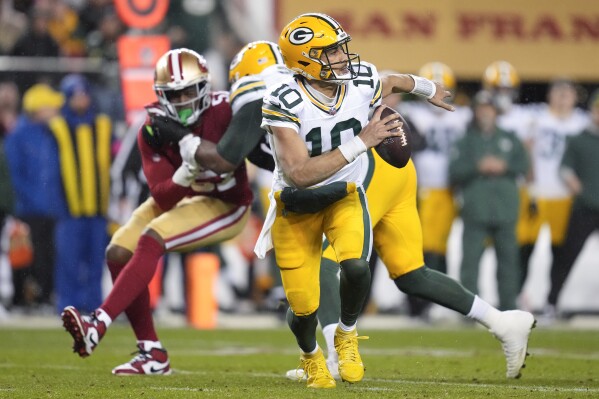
[286,96]
[246,90]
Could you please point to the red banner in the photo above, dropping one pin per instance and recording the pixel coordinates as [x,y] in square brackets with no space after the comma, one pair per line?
[141,14]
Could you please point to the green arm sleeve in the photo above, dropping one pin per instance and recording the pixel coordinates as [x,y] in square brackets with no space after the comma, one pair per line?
[243,134]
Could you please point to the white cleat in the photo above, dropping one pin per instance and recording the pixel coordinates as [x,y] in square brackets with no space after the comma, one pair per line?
[332,365]
[513,330]
[296,375]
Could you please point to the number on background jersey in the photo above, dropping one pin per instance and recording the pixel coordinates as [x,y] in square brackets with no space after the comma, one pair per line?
[219,97]
[551,144]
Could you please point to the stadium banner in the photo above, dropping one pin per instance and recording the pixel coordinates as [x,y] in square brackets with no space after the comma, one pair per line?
[541,38]
[137,58]
[142,14]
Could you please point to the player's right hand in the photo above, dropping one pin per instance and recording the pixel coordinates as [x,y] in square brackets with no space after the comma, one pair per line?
[151,136]
[185,174]
[379,129]
[169,130]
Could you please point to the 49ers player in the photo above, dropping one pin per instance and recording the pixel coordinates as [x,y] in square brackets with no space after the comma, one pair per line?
[189,207]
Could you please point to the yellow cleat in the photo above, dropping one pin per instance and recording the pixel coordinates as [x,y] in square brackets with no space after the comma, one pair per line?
[351,368]
[315,367]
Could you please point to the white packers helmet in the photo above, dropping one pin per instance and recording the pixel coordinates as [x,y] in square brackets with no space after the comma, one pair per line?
[439,72]
[182,71]
[253,58]
[306,38]
[501,75]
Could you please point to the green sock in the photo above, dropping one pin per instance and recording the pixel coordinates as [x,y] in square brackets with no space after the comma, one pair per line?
[304,329]
[354,286]
[436,287]
[330,301]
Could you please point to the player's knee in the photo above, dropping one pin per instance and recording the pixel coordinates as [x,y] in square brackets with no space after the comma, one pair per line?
[302,302]
[296,322]
[116,254]
[411,282]
[355,270]
[154,234]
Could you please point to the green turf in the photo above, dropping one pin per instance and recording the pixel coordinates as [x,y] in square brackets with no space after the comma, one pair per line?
[427,363]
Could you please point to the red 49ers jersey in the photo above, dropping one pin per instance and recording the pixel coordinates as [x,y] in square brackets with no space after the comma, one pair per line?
[159,165]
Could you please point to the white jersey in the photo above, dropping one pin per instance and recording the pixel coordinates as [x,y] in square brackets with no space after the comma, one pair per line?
[322,127]
[548,146]
[519,119]
[440,129]
[254,87]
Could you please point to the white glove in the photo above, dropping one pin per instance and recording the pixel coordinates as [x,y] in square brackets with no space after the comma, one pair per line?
[188,146]
[185,174]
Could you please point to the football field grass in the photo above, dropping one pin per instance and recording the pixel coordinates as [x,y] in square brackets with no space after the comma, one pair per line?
[424,363]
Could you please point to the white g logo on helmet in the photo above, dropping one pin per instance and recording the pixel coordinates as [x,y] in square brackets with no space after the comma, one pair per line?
[301,35]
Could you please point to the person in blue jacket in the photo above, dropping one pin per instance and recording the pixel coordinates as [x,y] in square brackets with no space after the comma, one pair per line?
[34,166]
[84,139]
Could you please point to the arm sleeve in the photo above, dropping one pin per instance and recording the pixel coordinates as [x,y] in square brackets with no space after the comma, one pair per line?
[243,134]
[159,171]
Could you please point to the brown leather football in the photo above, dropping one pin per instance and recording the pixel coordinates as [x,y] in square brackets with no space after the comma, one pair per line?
[397,150]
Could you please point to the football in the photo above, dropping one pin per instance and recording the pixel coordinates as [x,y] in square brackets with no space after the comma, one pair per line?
[397,150]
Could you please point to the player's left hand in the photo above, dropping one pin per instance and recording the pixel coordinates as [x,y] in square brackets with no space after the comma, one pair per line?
[440,95]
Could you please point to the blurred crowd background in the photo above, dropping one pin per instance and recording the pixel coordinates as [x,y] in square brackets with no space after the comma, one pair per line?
[90,62]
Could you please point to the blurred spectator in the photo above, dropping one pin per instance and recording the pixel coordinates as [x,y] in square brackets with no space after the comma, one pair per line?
[90,16]
[484,166]
[6,191]
[503,81]
[35,42]
[578,170]
[189,23]
[64,27]
[102,40]
[84,142]
[202,25]
[33,159]
[9,106]
[6,209]
[551,200]
[12,25]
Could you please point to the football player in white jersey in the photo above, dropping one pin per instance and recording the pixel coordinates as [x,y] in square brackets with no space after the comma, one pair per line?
[391,193]
[554,123]
[319,133]
[435,198]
